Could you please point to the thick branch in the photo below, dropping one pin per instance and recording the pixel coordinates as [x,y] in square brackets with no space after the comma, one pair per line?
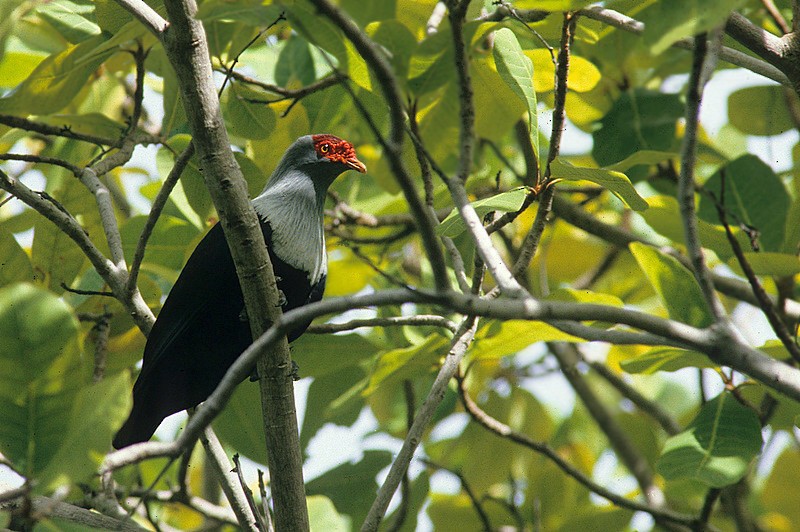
[185,43]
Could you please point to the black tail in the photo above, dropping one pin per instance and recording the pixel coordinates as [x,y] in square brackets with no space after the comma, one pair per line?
[139,427]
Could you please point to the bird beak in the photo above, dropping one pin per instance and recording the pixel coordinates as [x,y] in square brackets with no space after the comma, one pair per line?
[355,164]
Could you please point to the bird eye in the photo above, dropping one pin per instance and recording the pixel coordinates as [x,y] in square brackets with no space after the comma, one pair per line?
[325,148]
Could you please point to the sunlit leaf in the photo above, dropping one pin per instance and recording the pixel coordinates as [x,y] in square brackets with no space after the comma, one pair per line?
[41,375]
[675,285]
[616,182]
[75,21]
[57,79]
[666,359]
[667,22]
[322,515]
[516,69]
[97,412]
[510,201]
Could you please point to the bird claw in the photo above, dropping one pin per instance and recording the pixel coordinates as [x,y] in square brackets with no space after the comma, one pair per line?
[281,298]
[243,315]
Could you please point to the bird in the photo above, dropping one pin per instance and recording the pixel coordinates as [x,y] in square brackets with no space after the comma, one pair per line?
[202,326]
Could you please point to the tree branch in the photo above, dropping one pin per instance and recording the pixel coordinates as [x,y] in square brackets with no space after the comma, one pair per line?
[186,46]
[228,480]
[393,147]
[504,431]
[686,186]
[458,348]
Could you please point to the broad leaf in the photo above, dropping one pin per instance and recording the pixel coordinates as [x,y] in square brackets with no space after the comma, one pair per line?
[517,71]
[666,359]
[667,21]
[616,182]
[510,201]
[760,110]
[717,446]
[754,195]
[640,120]
[41,375]
[57,80]
[15,266]
[674,284]
[768,263]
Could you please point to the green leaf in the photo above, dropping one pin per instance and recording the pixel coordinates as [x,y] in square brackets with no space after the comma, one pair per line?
[674,284]
[245,114]
[666,359]
[239,425]
[643,157]
[16,66]
[667,21]
[351,487]
[510,201]
[516,69]
[333,398]
[167,244]
[778,494]
[252,13]
[165,159]
[75,21]
[754,195]
[14,262]
[55,257]
[58,79]
[96,413]
[322,515]
[615,182]
[319,355]
[430,66]
[760,110]
[88,124]
[640,120]
[717,446]
[767,263]
[42,372]
[665,218]
[402,363]
[498,340]
[295,64]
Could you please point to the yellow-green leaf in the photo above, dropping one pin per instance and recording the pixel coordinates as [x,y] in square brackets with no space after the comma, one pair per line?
[616,182]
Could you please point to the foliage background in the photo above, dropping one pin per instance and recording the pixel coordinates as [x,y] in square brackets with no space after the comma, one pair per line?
[693,441]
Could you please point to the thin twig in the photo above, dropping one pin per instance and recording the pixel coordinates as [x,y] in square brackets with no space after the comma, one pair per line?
[775,321]
[420,320]
[234,492]
[248,494]
[483,517]
[504,431]
[159,202]
[568,357]
[458,348]
[686,186]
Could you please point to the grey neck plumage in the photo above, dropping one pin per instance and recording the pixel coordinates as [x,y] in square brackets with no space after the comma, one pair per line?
[292,203]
